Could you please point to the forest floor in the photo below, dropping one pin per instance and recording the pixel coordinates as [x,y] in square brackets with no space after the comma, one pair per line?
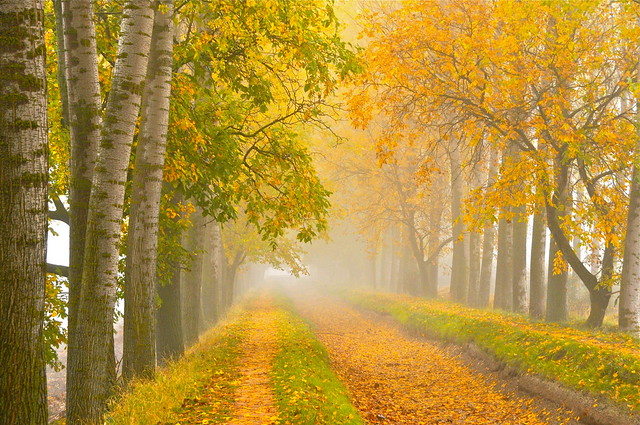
[394,378]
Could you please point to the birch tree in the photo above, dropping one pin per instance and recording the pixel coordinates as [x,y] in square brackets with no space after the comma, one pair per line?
[92,381]
[142,242]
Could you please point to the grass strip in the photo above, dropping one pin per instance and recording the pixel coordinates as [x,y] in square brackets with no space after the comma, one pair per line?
[307,390]
[198,388]
[603,365]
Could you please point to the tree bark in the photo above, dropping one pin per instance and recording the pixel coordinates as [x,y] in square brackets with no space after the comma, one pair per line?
[557,302]
[488,244]
[92,382]
[169,337]
[142,242]
[459,263]
[557,298]
[23,212]
[169,341]
[537,279]
[212,277]
[519,301]
[629,309]
[475,242]
[484,284]
[62,62]
[192,279]
[504,266]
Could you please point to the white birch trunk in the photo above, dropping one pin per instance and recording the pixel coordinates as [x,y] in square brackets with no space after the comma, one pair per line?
[96,369]
[142,243]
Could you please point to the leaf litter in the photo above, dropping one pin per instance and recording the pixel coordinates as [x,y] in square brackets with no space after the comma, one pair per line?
[394,379]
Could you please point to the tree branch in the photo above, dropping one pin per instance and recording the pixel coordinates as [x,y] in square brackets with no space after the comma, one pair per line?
[60,213]
[57,269]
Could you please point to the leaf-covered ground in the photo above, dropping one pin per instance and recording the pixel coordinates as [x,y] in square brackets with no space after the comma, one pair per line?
[603,364]
[394,379]
[262,365]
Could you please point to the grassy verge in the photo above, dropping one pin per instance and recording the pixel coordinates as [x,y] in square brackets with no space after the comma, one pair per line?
[606,365]
[198,388]
[307,390]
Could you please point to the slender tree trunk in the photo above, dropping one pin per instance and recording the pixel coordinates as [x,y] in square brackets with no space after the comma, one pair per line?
[229,283]
[520,261]
[629,310]
[169,341]
[475,242]
[62,62]
[142,241]
[192,278]
[557,301]
[488,244]
[83,97]
[504,266]
[23,212]
[211,280]
[537,287]
[459,263]
[601,294]
[557,296]
[94,378]
[484,284]
[169,338]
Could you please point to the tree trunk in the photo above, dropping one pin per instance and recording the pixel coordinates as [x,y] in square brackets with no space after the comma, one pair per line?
[211,279]
[629,309]
[459,263]
[557,302]
[484,284]
[169,339]
[83,97]
[504,266]
[142,241]
[475,241]
[488,244]
[229,282]
[192,279]
[62,62]
[537,275]
[600,295]
[557,297]
[92,382]
[520,261]
[23,212]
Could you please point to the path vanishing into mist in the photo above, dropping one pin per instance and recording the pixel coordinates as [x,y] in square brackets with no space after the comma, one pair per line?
[394,378]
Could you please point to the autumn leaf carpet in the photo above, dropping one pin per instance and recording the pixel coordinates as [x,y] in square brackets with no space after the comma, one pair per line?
[394,379]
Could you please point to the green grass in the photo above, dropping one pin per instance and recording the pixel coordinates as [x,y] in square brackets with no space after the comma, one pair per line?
[603,364]
[197,388]
[307,390]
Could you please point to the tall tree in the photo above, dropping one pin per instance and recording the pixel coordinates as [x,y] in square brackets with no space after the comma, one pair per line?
[142,241]
[85,122]
[92,382]
[23,211]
